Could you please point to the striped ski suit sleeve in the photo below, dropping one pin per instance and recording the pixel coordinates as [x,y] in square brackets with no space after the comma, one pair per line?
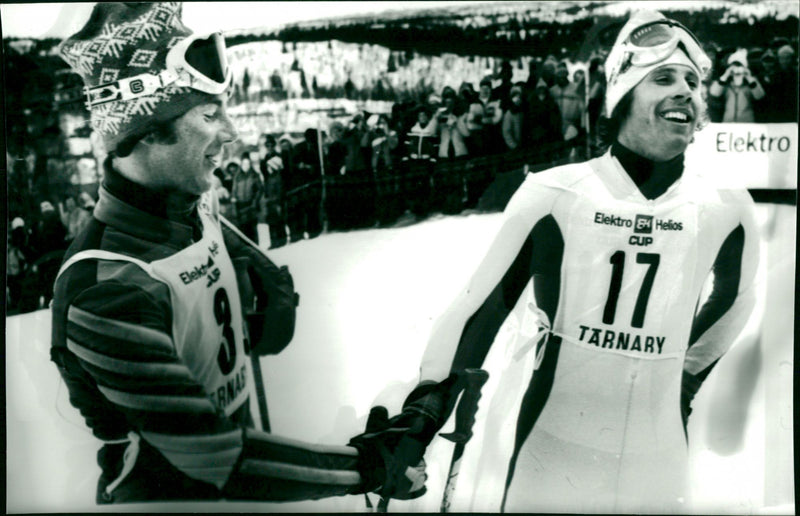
[119,330]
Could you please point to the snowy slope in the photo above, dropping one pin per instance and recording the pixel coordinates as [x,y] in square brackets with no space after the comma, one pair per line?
[368,300]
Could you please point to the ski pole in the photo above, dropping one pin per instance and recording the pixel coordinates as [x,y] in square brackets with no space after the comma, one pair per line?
[465,418]
[247,296]
[261,393]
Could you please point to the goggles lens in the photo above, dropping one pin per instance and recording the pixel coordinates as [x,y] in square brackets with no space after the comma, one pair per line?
[654,42]
[651,35]
[205,57]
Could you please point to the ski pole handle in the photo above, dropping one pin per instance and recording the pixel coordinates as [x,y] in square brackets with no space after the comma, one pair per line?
[465,419]
[468,405]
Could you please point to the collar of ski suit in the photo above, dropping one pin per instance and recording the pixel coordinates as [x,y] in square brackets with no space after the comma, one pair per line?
[651,177]
[147,214]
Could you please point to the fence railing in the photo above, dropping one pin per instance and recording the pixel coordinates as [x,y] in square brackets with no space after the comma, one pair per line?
[423,177]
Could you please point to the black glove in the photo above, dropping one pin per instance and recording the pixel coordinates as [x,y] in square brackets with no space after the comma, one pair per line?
[395,447]
[378,446]
[428,406]
[268,302]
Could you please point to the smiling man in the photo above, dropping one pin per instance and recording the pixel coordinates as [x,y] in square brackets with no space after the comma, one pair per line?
[149,330]
[617,251]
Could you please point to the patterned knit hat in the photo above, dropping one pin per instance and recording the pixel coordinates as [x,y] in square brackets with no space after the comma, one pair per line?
[125,40]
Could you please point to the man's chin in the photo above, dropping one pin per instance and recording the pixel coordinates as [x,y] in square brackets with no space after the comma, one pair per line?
[673,147]
[198,187]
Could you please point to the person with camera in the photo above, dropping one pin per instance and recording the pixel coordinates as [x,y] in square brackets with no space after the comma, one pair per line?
[452,126]
[492,118]
[451,119]
[738,89]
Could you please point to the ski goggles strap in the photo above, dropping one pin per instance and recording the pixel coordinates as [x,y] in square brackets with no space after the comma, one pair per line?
[128,88]
[655,41]
[197,62]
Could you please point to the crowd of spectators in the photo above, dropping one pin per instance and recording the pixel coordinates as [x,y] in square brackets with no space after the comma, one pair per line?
[381,166]
[375,168]
[436,151]
[36,246]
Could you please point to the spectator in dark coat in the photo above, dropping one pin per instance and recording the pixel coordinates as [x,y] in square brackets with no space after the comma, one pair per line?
[492,119]
[469,97]
[16,263]
[787,82]
[336,152]
[780,80]
[361,201]
[335,201]
[274,208]
[246,193]
[548,72]
[50,233]
[503,91]
[383,140]
[514,119]
[48,248]
[544,120]
[385,161]
[308,163]
[356,140]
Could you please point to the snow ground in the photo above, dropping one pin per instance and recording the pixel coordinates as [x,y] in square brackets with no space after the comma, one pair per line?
[368,301]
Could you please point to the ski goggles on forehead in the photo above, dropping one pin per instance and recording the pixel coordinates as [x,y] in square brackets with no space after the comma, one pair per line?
[197,62]
[654,42]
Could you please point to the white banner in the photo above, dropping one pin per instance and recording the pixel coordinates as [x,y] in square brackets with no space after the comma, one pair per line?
[747,155]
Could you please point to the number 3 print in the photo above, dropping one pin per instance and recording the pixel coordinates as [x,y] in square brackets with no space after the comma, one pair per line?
[226,358]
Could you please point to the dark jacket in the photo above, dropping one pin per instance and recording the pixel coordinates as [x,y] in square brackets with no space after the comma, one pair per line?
[142,367]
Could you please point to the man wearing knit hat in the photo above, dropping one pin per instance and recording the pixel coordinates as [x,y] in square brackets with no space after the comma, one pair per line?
[159,299]
[596,274]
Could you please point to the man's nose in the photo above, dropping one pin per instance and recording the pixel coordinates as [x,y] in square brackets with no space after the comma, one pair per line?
[228,133]
[683,90]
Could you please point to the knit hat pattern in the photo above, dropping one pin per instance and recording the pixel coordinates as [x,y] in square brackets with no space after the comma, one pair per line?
[125,40]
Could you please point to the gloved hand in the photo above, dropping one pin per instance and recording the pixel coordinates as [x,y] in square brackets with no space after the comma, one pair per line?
[268,302]
[395,448]
[379,446]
